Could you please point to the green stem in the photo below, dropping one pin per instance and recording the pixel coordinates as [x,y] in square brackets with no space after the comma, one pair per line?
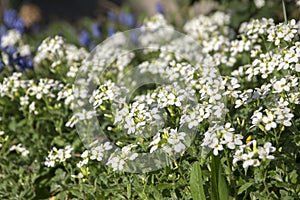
[284,12]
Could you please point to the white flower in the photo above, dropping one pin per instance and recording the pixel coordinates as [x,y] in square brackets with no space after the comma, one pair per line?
[265,151]
[179,147]
[209,138]
[281,85]
[32,108]
[297,67]
[11,38]
[155,142]
[256,117]
[24,50]
[85,154]
[133,156]
[19,149]
[216,146]
[259,3]
[83,162]
[248,161]
[24,100]
[58,155]
[231,140]
[116,163]
[238,155]
[269,121]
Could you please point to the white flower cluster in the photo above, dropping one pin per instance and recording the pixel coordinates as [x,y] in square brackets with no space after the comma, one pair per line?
[169,140]
[11,38]
[280,114]
[266,77]
[154,32]
[139,115]
[96,152]
[19,149]
[57,52]
[282,32]
[251,155]
[186,84]
[11,86]
[58,156]
[106,92]
[45,88]
[219,136]
[206,27]
[66,93]
[118,159]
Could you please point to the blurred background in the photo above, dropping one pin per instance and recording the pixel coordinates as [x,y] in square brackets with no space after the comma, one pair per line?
[82,21]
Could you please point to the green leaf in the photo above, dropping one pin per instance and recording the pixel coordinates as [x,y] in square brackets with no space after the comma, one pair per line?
[244,187]
[222,186]
[219,188]
[214,177]
[196,182]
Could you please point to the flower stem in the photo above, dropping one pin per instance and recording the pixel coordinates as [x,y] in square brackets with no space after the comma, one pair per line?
[284,11]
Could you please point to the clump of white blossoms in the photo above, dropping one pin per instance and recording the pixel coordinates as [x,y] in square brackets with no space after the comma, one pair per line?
[56,52]
[58,156]
[252,155]
[219,136]
[19,149]
[11,38]
[118,160]
[96,152]
[259,65]
[173,141]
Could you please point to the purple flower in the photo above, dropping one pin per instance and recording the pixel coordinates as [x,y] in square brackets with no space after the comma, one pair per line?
[134,37]
[35,28]
[19,25]
[84,38]
[159,8]
[127,19]
[13,21]
[9,17]
[2,30]
[24,62]
[111,16]
[1,63]
[110,31]
[10,50]
[96,30]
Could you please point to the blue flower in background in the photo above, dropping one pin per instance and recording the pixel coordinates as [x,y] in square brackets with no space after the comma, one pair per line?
[3,30]
[15,59]
[84,38]
[96,29]
[24,62]
[13,21]
[1,63]
[19,25]
[159,8]
[127,19]
[134,37]
[111,16]
[9,17]
[110,31]
[10,50]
